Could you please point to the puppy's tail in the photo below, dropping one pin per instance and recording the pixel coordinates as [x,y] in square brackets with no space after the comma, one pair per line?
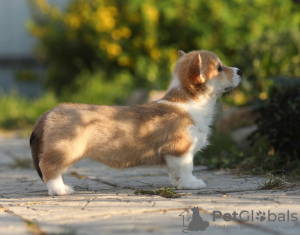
[36,143]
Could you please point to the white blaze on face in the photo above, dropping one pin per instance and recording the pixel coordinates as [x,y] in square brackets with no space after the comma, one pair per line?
[236,78]
[219,86]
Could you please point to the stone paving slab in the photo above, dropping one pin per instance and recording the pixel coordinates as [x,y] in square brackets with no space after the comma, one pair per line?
[11,224]
[105,203]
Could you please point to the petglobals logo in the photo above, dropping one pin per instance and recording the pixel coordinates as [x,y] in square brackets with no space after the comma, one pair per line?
[194,221]
[254,216]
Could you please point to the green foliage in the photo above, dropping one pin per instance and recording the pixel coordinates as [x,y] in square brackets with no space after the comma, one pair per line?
[19,112]
[279,123]
[258,160]
[141,39]
[270,55]
[93,88]
[222,152]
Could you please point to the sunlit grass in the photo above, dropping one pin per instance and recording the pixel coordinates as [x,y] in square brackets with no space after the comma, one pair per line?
[163,192]
[19,112]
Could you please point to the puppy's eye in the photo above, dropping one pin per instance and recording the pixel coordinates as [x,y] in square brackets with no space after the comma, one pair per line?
[220,69]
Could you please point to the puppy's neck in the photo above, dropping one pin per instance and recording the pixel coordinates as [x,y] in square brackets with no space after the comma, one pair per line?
[201,107]
[177,95]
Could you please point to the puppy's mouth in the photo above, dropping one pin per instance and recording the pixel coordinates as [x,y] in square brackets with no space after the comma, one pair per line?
[228,88]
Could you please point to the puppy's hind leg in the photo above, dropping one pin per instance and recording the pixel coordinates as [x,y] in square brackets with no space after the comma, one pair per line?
[57,187]
[52,171]
[180,170]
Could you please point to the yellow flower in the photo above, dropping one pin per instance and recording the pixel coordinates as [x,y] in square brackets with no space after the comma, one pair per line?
[124,61]
[121,32]
[155,54]
[37,31]
[47,9]
[105,21]
[217,7]
[55,12]
[263,96]
[43,5]
[113,49]
[149,43]
[125,32]
[239,97]
[73,21]
[151,12]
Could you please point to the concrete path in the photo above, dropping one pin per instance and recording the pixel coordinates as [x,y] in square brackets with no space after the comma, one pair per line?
[105,203]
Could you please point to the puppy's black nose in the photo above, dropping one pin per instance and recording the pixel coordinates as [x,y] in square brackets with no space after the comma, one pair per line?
[239,72]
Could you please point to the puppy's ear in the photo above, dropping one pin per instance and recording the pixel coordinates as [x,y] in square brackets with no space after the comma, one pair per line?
[180,53]
[194,70]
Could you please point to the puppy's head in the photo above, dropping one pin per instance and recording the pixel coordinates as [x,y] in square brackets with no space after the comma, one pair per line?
[202,73]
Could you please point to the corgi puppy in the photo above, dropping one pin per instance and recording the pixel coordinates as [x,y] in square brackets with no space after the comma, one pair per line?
[168,131]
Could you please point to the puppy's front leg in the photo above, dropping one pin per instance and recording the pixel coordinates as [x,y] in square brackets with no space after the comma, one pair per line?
[180,171]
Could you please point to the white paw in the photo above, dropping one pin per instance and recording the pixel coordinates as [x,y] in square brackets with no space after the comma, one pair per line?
[69,189]
[56,187]
[191,183]
[61,190]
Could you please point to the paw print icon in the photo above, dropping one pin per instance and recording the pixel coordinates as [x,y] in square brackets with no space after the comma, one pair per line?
[260,216]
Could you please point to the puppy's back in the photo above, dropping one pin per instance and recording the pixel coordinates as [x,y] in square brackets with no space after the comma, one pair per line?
[119,136]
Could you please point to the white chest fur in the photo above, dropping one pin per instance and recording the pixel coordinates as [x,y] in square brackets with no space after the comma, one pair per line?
[202,113]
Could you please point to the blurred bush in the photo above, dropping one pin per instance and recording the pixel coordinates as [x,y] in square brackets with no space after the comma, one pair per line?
[18,112]
[93,88]
[141,39]
[279,122]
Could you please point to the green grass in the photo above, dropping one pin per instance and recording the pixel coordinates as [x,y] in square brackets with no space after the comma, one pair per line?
[270,182]
[18,112]
[163,192]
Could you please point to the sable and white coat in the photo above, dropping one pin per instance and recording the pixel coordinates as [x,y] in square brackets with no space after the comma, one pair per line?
[169,131]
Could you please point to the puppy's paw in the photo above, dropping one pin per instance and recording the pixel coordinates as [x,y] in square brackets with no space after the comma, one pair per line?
[191,183]
[69,189]
[61,190]
[56,187]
